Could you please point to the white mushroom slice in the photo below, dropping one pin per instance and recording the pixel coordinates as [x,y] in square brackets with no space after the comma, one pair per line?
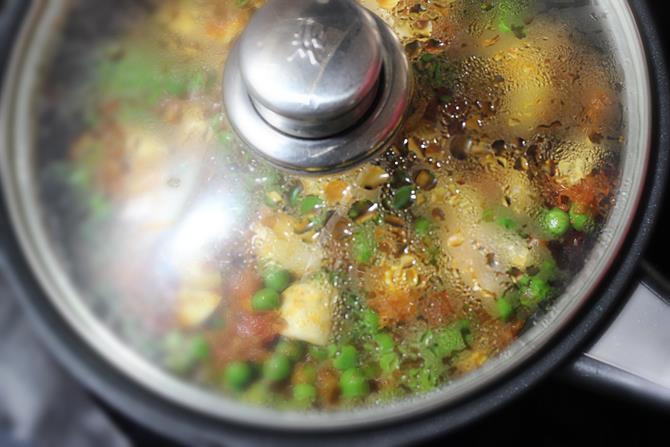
[307,310]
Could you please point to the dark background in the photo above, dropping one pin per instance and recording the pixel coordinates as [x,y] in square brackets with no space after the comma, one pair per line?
[556,412]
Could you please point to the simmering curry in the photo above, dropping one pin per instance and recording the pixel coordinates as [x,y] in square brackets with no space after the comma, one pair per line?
[354,289]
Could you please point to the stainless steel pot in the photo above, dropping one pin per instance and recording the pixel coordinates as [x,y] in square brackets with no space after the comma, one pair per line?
[635,343]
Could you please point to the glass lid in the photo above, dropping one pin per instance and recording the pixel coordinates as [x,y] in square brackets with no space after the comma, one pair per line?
[241,289]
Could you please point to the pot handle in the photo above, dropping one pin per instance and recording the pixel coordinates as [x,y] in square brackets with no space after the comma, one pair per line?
[632,356]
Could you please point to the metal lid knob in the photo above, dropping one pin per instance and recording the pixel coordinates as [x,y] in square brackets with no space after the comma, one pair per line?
[316,85]
[311,67]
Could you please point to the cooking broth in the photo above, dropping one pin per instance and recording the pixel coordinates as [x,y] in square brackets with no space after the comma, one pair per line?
[385,281]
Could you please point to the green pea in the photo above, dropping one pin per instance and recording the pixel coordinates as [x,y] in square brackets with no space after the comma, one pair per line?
[539,288]
[237,375]
[507,222]
[504,308]
[389,362]
[331,350]
[362,252]
[556,222]
[385,342]
[347,358]
[318,353]
[276,278]
[524,280]
[277,368]
[581,222]
[548,270]
[200,348]
[364,246]
[451,339]
[304,393]
[310,203]
[293,350]
[265,300]
[422,226]
[403,197]
[353,383]
[370,320]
